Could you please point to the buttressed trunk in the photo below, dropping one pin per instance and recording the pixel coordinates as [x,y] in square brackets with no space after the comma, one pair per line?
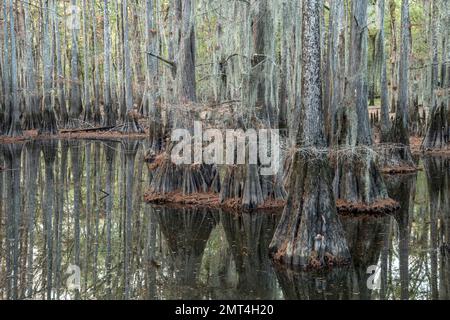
[309,233]
[357,178]
[396,156]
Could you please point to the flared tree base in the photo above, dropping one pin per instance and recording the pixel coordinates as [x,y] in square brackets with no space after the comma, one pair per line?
[169,178]
[438,133]
[396,159]
[359,186]
[310,235]
[14,130]
[244,187]
[131,125]
[395,153]
[49,125]
[32,121]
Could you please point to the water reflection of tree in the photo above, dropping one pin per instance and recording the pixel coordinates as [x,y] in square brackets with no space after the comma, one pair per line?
[12,156]
[402,189]
[334,284]
[365,237]
[249,236]
[186,232]
[438,177]
[49,151]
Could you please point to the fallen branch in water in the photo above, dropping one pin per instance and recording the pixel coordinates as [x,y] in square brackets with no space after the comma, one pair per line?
[88,130]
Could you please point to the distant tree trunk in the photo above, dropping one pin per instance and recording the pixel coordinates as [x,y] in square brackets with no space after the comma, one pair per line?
[5,116]
[32,115]
[381,70]
[110,114]
[283,92]
[153,110]
[434,53]
[62,103]
[131,125]
[86,59]
[75,97]
[261,76]
[336,64]
[357,178]
[393,54]
[397,156]
[49,125]
[446,45]
[14,111]
[310,233]
[97,117]
[185,72]
[438,131]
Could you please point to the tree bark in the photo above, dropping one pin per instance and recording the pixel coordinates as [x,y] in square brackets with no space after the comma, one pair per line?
[310,233]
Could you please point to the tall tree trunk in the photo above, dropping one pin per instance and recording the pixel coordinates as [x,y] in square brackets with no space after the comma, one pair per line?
[381,70]
[438,131]
[75,97]
[154,110]
[131,125]
[396,156]
[32,115]
[185,61]
[110,114]
[97,117]
[14,110]
[336,64]
[357,178]
[261,76]
[49,125]
[60,76]
[86,59]
[310,233]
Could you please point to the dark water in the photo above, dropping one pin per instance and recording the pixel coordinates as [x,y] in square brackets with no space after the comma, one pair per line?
[69,206]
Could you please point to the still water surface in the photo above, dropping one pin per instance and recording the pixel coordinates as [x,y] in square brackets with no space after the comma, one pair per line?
[72,215]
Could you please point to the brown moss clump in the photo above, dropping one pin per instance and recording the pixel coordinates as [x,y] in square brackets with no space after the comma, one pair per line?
[379,207]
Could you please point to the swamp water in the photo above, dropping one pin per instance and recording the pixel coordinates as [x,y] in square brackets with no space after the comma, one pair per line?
[74,226]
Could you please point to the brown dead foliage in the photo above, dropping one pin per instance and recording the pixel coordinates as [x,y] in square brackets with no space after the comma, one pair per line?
[380,207]
[208,200]
[399,170]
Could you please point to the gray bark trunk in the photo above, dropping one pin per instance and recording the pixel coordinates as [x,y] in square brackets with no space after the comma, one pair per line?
[310,233]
